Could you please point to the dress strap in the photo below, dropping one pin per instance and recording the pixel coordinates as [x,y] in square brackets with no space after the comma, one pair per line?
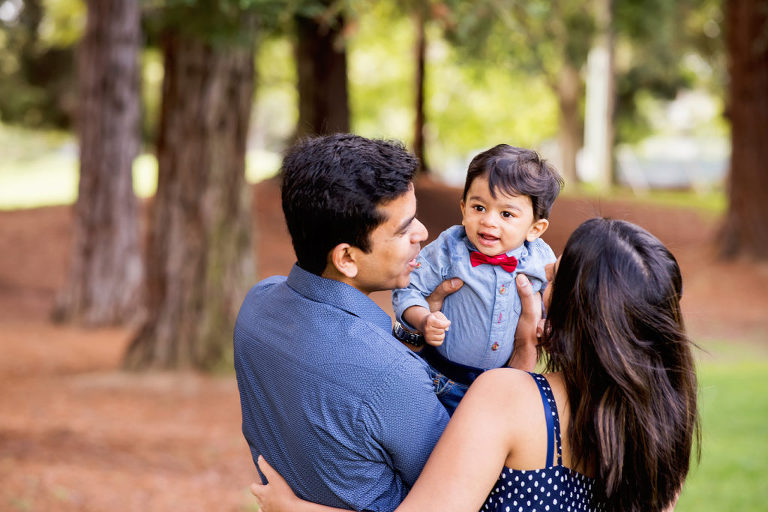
[552,418]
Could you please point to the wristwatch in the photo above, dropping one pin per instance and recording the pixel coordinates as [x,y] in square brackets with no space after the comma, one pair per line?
[402,333]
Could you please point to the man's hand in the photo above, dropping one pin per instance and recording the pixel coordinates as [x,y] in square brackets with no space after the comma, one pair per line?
[447,287]
[529,327]
[435,325]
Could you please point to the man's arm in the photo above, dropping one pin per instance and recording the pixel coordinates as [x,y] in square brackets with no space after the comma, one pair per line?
[405,418]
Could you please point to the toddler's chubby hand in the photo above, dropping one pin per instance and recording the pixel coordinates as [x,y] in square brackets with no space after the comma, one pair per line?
[435,325]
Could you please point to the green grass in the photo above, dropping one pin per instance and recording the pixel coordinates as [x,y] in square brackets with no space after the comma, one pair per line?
[711,202]
[733,398]
[41,169]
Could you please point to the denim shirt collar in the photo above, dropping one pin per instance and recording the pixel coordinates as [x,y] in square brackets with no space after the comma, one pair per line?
[339,295]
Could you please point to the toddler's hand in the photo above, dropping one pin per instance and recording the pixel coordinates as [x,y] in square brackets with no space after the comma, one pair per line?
[435,325]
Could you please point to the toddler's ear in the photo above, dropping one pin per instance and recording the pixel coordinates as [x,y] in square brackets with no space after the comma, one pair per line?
[537,229]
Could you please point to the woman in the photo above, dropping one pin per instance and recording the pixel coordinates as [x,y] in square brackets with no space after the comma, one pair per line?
[620,374]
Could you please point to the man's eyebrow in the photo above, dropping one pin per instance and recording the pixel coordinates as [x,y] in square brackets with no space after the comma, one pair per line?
[407,222]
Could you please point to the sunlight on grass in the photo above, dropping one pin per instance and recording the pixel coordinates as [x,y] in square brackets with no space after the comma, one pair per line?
[712,201]
[733,398]
[259,165]
[41,169]
[48,179]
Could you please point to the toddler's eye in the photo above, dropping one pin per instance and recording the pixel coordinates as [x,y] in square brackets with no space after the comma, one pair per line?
[506,215]
[479,208]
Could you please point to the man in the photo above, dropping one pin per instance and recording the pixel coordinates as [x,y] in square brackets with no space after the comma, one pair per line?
[339,407]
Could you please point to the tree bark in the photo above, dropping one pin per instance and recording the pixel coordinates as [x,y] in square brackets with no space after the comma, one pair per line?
[199,258]
[420,118]
[321,60]
[569,93]
[745,230]
[105,270]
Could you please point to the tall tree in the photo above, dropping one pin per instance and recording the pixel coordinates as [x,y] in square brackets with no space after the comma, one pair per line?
[321,60]
[105,270]
[199,258]
[745,231]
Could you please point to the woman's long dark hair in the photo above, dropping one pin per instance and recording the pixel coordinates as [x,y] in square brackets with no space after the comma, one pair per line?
[616,333]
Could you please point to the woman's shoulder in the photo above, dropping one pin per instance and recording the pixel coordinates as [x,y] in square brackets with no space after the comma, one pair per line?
[508,390]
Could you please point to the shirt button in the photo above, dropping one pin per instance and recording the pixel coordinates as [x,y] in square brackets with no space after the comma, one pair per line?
[495,346]
[503,289]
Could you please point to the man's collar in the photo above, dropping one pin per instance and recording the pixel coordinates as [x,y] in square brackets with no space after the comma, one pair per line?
[339,295]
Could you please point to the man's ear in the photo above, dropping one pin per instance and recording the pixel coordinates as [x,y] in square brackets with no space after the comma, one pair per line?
[537,229]
[342,260]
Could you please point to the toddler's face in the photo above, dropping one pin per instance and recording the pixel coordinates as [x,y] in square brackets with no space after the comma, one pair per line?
[498,225]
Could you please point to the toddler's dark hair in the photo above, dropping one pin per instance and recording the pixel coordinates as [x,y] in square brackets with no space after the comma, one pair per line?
[517,171]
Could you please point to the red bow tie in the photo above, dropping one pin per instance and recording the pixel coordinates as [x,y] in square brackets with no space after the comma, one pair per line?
[508,263]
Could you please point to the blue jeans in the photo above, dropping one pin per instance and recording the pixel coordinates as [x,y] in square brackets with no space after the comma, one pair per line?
[449,392]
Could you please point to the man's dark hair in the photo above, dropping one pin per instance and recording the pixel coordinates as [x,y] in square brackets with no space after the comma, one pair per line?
[332,187]
[517,171]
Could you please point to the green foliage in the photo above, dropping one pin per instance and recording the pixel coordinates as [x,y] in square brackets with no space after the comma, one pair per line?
[276,110]
[537,37]
[37,61]
[63,23]
[656,56]
[469,105]
[219,22]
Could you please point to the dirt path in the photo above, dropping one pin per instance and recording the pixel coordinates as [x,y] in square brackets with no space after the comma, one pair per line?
[76,434]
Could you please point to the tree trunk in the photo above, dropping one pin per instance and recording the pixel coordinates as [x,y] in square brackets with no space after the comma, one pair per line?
[745,231]
[105,271]
[321,59]
[569,93]
[419,122]
[199,261]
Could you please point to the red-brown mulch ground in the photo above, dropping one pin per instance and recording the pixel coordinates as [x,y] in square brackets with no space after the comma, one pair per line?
[78,434]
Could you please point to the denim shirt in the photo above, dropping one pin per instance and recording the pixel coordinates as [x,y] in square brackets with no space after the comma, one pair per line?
[340,408]
[484,312]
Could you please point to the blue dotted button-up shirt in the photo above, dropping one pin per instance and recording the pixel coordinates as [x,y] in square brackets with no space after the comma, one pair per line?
[484,312]
[341,409]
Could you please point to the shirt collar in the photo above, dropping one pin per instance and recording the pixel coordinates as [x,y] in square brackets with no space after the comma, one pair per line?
[339,295]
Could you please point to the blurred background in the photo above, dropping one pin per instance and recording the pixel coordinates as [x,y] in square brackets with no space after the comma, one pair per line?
[139,147]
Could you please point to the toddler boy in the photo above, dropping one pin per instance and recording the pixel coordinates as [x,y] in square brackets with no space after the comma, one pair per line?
[507,199]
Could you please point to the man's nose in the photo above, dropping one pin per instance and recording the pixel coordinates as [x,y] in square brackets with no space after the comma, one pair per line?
[420,233]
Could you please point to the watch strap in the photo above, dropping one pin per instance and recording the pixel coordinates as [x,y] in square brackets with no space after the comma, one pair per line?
[413,338]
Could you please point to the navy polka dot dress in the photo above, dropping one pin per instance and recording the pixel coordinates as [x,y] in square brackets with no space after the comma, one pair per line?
[554,488]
